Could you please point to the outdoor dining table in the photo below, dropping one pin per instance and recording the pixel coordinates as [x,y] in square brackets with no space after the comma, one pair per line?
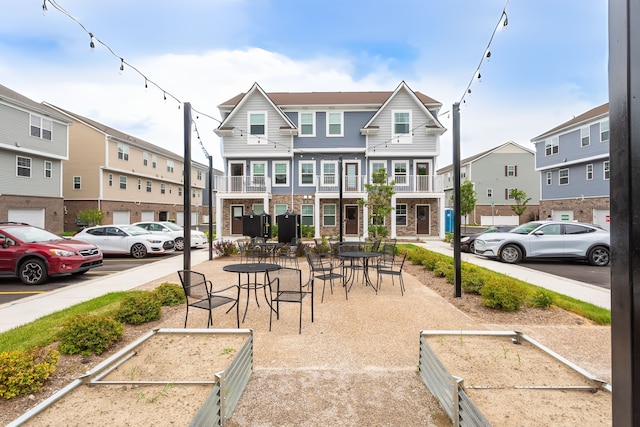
[249,268]
[358,256]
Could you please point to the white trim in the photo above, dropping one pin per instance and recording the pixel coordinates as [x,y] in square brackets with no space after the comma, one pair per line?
[341,134]
[313,124]
[401,138]
[313,173]
[335,172]
[287,163]
[258,139]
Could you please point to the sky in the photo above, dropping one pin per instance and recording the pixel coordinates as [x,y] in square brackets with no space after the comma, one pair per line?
[547,65]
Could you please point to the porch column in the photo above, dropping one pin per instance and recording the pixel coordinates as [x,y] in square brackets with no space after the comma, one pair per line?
[219,209]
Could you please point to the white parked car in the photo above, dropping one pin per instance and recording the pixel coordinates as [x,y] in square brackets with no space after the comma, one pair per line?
[198,238]
[126,239]
[547,240]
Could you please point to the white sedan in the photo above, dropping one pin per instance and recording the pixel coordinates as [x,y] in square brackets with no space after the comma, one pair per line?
[198,238]
[126,239]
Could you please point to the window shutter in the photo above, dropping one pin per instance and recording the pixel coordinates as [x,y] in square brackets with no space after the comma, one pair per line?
[506,194]
[506,170]
[515,170]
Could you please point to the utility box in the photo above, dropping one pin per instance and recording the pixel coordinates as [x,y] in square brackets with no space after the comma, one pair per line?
[254,225]
[448,220]
[288,227]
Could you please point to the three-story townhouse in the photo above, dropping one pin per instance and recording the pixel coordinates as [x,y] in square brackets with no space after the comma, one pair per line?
[33,147]
[312,153]
[573,161]
[494,173]
[128,178]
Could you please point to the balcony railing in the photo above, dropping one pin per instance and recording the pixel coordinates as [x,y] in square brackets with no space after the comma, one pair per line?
[330,184]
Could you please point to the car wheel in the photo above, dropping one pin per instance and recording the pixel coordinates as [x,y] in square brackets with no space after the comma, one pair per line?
[138,250]
[511,254]
[179,244]
[598,256]
[472,247]
[33,272]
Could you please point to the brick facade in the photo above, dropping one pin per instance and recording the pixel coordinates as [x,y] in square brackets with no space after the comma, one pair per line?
[582,207]
[53,209]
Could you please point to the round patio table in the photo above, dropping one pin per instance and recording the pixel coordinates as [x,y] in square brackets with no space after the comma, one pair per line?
[248,268]
[364,257]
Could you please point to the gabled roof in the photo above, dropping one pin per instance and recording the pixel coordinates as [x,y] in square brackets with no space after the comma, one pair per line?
[478,156]
[15,98]
[242,99]
[114,133]
[595,113]
[403,86]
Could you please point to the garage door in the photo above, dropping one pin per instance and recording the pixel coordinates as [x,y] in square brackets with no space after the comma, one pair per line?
[147,216]
[30,216]
[121,217]
[602,217]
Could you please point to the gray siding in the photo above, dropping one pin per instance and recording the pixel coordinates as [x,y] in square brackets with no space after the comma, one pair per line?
[353,122]
[578,185]
[489,172]
[569,148]
[37,184]
[14,124]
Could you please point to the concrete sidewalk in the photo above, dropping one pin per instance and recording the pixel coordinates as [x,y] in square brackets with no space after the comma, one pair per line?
[28,309]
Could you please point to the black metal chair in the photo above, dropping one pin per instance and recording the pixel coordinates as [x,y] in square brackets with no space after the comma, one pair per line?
[393,269]
[286,287]
[322,268]
[200,294]
[288,253]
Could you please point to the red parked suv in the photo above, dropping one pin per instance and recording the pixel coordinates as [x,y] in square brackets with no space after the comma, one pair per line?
[33,254]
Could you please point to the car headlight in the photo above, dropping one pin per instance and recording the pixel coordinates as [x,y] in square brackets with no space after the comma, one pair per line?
[154,241]
[493,240]
[464,239]
[61,252]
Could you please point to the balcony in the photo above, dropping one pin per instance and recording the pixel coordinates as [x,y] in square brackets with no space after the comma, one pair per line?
[329,184]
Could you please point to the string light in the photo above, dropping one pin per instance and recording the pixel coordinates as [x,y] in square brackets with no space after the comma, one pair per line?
[121,64]
[92,45]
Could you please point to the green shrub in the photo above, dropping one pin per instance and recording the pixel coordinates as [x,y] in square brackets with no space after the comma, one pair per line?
[89,334]
[139,307]
[169,294]
[444,269]
[473,278]
[24,372]
[307,231]
[448,237]
[225,248]
[503,294]
[541,299]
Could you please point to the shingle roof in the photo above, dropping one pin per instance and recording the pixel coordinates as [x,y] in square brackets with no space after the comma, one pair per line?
[601,110]
[19,99]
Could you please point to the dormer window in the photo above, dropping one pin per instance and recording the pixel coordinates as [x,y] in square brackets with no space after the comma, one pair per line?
[257,128]
[401,127]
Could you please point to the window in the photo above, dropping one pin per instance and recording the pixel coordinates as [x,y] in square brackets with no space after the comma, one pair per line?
[401,122]
[258,208]
[258,173]
[549,178]
[180,191]
[199,175]
[307,124]
[40,127]
[23,166]
[605,170]
[154,161]
[48,169]
[307,173]
[76,183]
[194,193]
[376,166]
[329,215]
[604,131]
[589,172]
[139,184]
[170,188]
[110,180]
[306,215]
[401,214]
[329,173]
[551,146]
[507,194]
[400,170]
[511,170]
[334,124]
[148,186]
[281,174]
[257,128]
[123,152]
[145,158]
[170,166]
[490,193]
[163,189]
[563,176]
[279,209]
[585,139]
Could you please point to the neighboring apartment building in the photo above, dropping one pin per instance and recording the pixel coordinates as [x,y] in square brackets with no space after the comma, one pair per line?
[33,147]
[573,160]
[310,153]
[129,179]
[494,173]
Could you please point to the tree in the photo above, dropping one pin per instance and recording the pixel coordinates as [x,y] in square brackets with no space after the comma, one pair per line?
[468,200]
[379,193]
[91,217]
[521,201]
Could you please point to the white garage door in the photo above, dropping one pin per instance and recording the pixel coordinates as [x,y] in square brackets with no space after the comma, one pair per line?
[602,218]
[180,218]
[30,216]
[121,217]
[562,215]
[147,215]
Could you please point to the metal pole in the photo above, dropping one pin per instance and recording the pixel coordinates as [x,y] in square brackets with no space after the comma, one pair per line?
[624,149]
[186,254]
[457,279]
[211,193]
[342,217]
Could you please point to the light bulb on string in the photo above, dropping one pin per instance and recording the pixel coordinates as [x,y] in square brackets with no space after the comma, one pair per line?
[488,55]
[164,94]
[121,65]
[92,45]
[146,86]
[479,77]
[506,19]
[44,7]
